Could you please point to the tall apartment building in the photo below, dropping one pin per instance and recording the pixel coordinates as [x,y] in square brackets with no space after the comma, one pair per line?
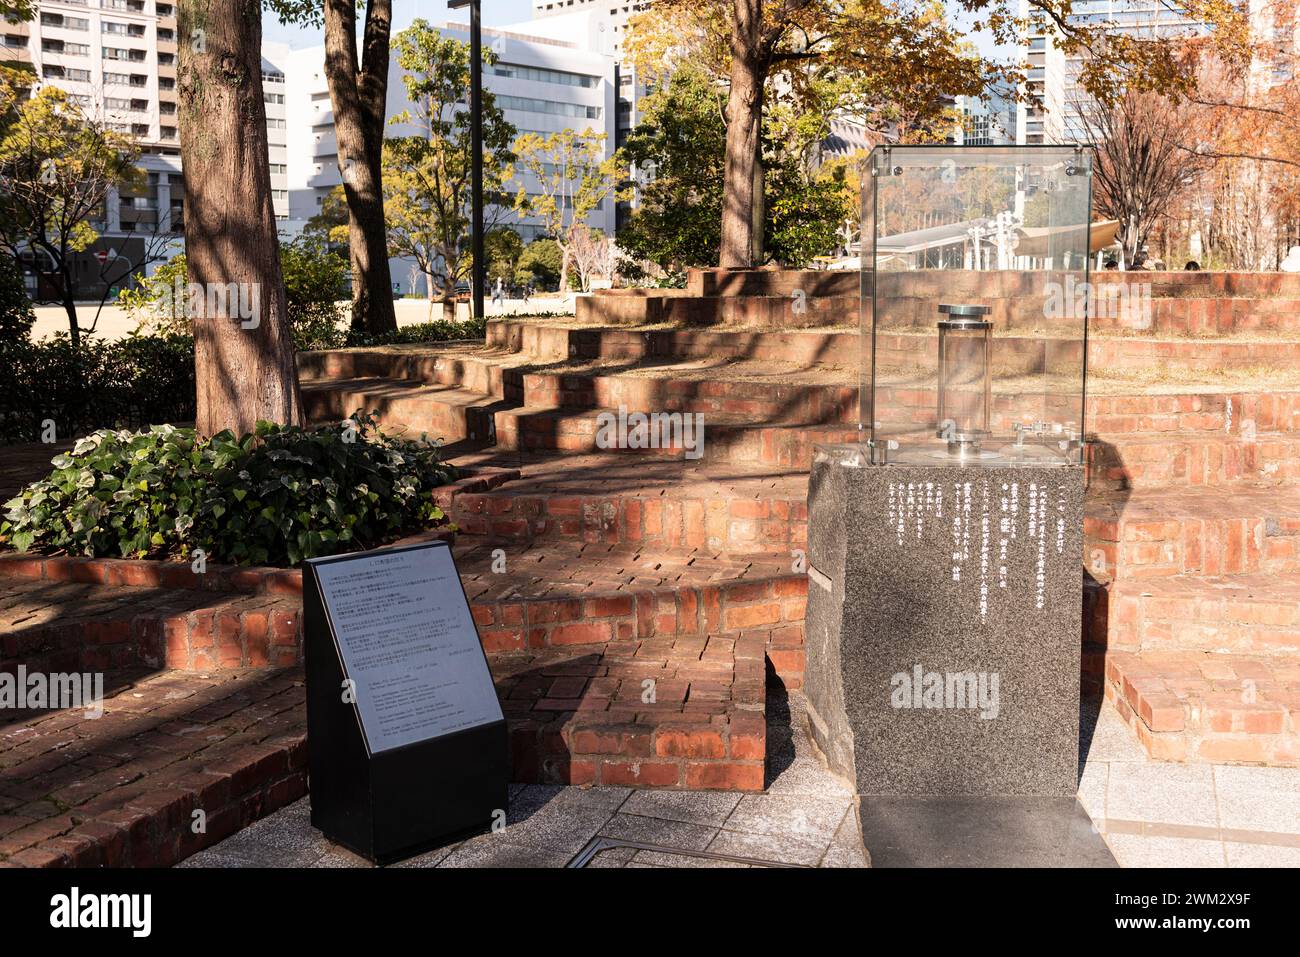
[989,122]
[1040,115]
[117,60]
[601,25]
[1054,77]
[542,84]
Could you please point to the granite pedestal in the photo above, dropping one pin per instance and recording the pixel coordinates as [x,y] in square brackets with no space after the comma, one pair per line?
[943,625]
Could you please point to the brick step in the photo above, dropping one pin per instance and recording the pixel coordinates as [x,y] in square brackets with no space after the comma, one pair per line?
[523,597]
[444,412]
[731,440]
[1192,355]
[1153,533]
[1145,460]
[1253,614]
[1205,315]
[561,593]
[123,789]
[1113,406]
[1195,409]
[1146,311]
[766,402]
[62,624]
[664,503]
[903,346]
[470,366]
[792,309]
[1200,707]
[686,712]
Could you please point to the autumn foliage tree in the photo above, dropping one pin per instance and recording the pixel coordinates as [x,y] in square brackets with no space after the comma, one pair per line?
[1142,166]
[879,52]
[1249,126]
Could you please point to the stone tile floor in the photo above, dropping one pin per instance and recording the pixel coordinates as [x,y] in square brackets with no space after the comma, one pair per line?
[1149,813]
[1162,814]
[806,818]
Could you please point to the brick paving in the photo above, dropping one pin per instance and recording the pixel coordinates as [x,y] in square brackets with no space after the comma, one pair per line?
[1149,813]
[123,788]
[25,463]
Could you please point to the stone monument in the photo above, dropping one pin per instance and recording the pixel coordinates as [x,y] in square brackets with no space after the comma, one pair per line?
[944,606]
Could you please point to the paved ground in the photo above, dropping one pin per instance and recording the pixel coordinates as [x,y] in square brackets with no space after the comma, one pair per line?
[1149,813]
[805,818]
[1162,814]
[114,323]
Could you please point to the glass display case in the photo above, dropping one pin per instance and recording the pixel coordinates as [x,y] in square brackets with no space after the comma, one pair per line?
[975,265]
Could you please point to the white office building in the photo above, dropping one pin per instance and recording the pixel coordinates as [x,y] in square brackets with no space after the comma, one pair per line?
[117,60]
[1054,77]
[542,84]
[986,122]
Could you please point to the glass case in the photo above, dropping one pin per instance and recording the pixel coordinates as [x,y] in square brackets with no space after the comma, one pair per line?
[975,264]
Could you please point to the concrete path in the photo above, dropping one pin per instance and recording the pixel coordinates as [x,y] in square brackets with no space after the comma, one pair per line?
[115,323]
[1161,814]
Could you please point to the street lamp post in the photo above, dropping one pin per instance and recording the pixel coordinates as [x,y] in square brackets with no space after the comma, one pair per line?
[476,145]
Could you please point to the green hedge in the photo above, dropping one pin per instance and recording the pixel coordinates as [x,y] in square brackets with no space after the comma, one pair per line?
[126,384]
[274,497]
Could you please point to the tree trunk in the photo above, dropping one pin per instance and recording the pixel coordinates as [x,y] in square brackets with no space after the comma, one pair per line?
[69,301]
[359,94]
[744,125]
[243,353]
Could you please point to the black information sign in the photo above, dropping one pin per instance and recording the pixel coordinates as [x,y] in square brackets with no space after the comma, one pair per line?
[405,735]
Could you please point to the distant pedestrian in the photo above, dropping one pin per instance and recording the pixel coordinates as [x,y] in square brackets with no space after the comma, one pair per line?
[1192,266]
[499,293]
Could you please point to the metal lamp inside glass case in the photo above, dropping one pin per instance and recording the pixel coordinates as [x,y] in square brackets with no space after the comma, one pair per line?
[975,264]
[965,377]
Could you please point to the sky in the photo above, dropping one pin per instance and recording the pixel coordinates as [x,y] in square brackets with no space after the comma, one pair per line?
[495,13]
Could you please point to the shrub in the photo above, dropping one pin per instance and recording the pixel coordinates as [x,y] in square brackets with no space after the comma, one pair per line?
[439,330]
[315,280]
[16,316]
[277,496]
[157,302]
[541,260]
[124,384]
[16,319]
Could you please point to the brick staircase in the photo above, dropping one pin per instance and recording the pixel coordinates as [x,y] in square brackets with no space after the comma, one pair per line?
[635,606]
[1193,516]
